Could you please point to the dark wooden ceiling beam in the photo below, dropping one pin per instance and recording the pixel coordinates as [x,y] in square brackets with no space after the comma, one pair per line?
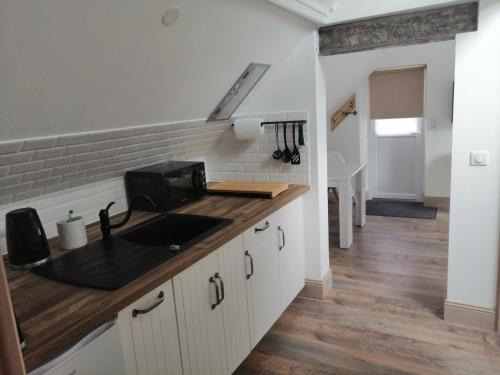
[430,25]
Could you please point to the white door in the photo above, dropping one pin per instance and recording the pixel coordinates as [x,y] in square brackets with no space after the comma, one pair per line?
[263,284]
[149,334]
[234,306]
[199,313]
[291,251]
[397,159]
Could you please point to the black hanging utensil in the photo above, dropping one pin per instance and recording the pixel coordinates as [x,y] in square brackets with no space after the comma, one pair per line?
[287,154]
[295,157]
[278,153]
[301,134]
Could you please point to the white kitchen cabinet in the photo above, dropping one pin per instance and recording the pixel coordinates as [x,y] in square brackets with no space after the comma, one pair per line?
[201,331]
[212,312]
[290,227]
[235,316]
[263,284]
[149,334]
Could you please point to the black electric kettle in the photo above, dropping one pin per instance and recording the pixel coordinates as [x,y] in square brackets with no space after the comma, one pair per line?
[27,244]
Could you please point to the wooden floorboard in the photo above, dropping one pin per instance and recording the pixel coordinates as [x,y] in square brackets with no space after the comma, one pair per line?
[384,313]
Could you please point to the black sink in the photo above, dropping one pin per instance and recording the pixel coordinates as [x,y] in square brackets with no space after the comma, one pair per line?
[174,231]
[112,264]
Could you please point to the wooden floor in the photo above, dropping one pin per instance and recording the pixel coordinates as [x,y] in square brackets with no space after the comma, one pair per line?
[384,314]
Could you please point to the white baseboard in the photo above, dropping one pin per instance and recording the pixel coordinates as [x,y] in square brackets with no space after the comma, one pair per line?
[474,316]
[437,202]
[318,288]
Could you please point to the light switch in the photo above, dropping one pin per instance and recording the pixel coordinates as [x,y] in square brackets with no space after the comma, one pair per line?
[479,158]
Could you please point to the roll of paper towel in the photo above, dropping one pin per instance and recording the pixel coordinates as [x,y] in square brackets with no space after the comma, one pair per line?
[248,128]
[72,233]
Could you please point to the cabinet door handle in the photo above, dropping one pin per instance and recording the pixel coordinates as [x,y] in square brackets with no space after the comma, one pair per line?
[218,277]
[161,298]
[283,243]
[217,293]
[247,253]
[263,228]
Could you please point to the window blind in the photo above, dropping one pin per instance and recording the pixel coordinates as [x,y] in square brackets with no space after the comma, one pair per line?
[397,93]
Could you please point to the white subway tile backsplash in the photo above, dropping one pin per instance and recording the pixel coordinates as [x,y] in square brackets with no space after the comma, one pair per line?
[18,188]
[63,169]
[68,140]
[86,201]
[260,177]
[10,148]
[98,137]
[51,163]
[276,177]
[26,167]
[78,149]
[104,145]
[232,159]
[27,194]
[232,167]
[243,176]
[49,153]
[81,158]
[6,200]
[86,164]
[72,176]
[11,159]
[45,182]
[10,180]
[32,176]
[96,171]
[38,144]
[297,179]
[56,163]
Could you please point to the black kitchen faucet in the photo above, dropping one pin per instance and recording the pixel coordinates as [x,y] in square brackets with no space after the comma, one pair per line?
[106,226]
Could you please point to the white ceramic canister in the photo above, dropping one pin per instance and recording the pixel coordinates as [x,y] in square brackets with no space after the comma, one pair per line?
[72,232]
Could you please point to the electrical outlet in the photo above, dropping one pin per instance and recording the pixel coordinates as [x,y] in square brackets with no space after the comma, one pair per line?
[479,158]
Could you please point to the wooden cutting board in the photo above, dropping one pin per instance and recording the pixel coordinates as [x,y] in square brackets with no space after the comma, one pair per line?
[264,189]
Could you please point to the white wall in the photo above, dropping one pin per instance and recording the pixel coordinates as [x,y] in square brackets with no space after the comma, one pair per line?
[70,67]
[475,198]
[349,73]
[298,83]
[346,10]
[74,66]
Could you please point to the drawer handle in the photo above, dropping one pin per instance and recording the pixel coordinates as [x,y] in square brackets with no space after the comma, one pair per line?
[217,294]
[283,243]
[247,253]
[263,228]
[223,296]
[161,298]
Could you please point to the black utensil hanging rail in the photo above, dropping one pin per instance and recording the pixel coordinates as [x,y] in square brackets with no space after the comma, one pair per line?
[302,122]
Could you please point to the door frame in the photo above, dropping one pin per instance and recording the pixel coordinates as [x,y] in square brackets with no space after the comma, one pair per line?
[372,152]
[420,163]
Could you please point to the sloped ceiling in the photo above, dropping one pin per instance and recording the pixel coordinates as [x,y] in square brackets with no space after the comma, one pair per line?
[76,66]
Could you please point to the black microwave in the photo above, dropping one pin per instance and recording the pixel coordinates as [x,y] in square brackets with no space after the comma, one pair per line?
[170,184]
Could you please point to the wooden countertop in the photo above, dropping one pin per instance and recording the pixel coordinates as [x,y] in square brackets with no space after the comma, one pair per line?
[54,316]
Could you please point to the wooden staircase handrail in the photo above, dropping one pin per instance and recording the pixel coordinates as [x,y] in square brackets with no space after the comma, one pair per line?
[348,108]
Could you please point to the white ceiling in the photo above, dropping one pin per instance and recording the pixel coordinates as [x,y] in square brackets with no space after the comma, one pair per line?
[324,12]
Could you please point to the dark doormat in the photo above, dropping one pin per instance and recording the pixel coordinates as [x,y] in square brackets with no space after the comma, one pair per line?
[383,207]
